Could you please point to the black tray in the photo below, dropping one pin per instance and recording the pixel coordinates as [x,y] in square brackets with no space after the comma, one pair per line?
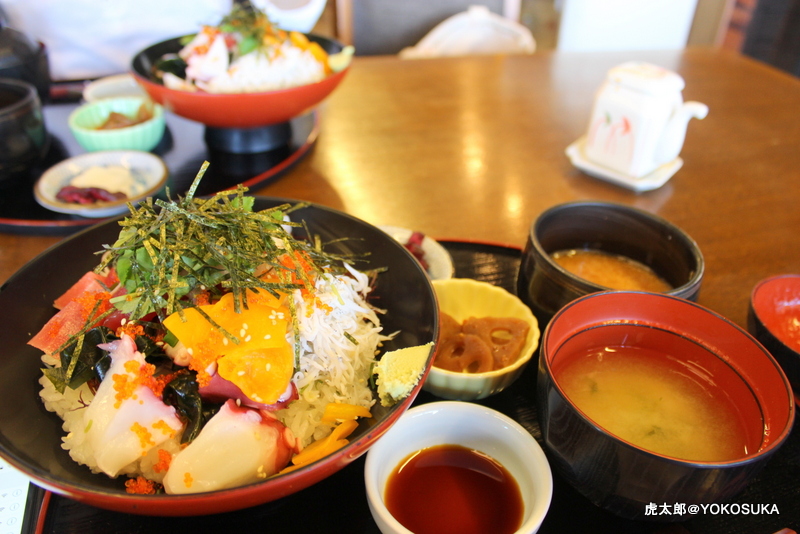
[183,150]
[339,503]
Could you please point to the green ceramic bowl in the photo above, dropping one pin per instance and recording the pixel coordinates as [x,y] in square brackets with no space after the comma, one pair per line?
[85,121]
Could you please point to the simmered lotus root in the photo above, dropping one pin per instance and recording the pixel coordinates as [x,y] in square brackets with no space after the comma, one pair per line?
[505,335]
[480,344]
[465,353]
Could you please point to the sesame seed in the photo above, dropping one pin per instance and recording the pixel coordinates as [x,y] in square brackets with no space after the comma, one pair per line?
[248,338]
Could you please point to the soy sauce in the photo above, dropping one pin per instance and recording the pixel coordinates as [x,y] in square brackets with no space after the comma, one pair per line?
[449,488]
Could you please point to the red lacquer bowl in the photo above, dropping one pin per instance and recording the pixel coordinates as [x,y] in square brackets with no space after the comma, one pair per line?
[30,436]
[240,110]
[774,319]
[622,477]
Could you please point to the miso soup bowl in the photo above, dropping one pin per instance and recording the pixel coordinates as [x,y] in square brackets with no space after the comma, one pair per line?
[617,229]
[624,478]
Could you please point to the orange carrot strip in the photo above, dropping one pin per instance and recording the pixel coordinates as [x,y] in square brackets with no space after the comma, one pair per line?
[325,446]
[340,411]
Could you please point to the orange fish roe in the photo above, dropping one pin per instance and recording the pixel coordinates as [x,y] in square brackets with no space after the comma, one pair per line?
[125,385]
[299,267]
[158,383]
[188,480]
[203,298]
[163,427]
[202,358]
[88,301]
[130,328]
[164,459]
[145,437]
[140,486]
[319,305]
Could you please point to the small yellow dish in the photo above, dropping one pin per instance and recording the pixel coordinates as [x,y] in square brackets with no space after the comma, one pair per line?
[462,298]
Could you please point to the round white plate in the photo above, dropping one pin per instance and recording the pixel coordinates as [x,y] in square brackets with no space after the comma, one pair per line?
[145,168]
[440,264]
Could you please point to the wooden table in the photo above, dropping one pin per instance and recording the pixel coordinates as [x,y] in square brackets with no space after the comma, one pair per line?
[473,148]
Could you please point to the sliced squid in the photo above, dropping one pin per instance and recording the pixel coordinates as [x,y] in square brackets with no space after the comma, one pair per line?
[237,446]
[126,419]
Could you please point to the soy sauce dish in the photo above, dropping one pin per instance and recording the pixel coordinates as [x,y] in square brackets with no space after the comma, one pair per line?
[648,398]
[494,468]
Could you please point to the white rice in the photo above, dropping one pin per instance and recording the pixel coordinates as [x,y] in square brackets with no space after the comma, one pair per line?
[289,66]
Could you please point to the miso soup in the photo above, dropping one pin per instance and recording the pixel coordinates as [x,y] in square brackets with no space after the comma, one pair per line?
[688,406]
[610,270]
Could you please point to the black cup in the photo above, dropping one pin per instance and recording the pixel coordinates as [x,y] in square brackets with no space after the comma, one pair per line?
[621,230]
[23,136]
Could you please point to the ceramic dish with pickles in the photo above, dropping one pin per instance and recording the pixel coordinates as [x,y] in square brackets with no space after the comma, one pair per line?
[487,337]
[101,184]
[118,123]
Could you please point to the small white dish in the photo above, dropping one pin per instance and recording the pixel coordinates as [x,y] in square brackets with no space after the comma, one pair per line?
[651,181]
[113,86]
[440,263]
[468,425]
[147,170]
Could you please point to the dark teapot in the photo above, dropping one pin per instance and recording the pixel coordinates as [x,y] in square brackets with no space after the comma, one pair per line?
[22,58]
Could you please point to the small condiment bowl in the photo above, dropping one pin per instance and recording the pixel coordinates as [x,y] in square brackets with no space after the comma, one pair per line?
[146,170]
[84,123]
[112,87]
[705,348]
[462,298]
[621,230]
[774,319]
[440,263]
[467,425]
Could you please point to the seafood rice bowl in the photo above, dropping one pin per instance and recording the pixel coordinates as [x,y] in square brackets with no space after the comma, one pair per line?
[212,352]
[246,53]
